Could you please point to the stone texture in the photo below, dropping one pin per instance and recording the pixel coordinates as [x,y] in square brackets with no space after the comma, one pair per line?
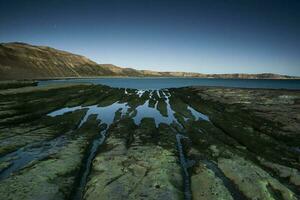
[205,185]
[140,170]
[254,182]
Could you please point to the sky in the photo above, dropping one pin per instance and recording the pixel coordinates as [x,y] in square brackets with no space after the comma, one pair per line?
[206,36]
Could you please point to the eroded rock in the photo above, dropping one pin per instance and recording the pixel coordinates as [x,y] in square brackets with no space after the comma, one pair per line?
[135,168]
[253,181]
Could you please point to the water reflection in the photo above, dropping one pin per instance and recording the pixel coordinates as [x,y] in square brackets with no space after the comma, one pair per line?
[138,108]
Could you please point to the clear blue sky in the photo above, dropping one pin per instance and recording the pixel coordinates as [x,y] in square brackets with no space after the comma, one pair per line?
[209,36]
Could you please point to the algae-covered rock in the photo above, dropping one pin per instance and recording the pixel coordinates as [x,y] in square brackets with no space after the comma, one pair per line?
[135,174]
[253,181]
[292,174]
[54,176]
[206,185]
[233,144]
[139,170]
[47,129]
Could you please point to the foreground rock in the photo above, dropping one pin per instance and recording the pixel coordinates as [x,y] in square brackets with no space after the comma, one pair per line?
[87,142]
[54,176]
[134,165]
[253,153]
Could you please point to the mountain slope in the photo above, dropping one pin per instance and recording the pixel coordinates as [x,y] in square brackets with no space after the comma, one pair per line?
[24,61]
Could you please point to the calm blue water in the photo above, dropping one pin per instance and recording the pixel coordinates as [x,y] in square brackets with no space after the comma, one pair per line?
[159,83]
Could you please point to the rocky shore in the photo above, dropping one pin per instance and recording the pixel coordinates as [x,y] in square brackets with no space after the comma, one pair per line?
[97,142]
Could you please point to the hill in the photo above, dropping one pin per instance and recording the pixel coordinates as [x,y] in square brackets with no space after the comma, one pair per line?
[25,61]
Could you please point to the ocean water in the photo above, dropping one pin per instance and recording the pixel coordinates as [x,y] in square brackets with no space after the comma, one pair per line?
[160,83]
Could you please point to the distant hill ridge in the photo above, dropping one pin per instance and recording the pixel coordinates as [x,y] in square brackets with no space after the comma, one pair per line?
[25,61]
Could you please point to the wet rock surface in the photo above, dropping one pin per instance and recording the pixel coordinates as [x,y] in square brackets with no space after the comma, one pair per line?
[133,165]
[96,142]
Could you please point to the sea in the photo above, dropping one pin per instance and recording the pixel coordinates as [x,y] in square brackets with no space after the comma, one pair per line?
[160,83]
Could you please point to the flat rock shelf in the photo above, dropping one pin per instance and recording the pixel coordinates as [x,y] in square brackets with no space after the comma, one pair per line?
[91,142]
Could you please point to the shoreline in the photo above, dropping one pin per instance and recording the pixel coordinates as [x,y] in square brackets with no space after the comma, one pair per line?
[142,77]
[24,83]
[162,77]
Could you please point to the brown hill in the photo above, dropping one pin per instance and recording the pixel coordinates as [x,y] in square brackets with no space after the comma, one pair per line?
[24,61]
